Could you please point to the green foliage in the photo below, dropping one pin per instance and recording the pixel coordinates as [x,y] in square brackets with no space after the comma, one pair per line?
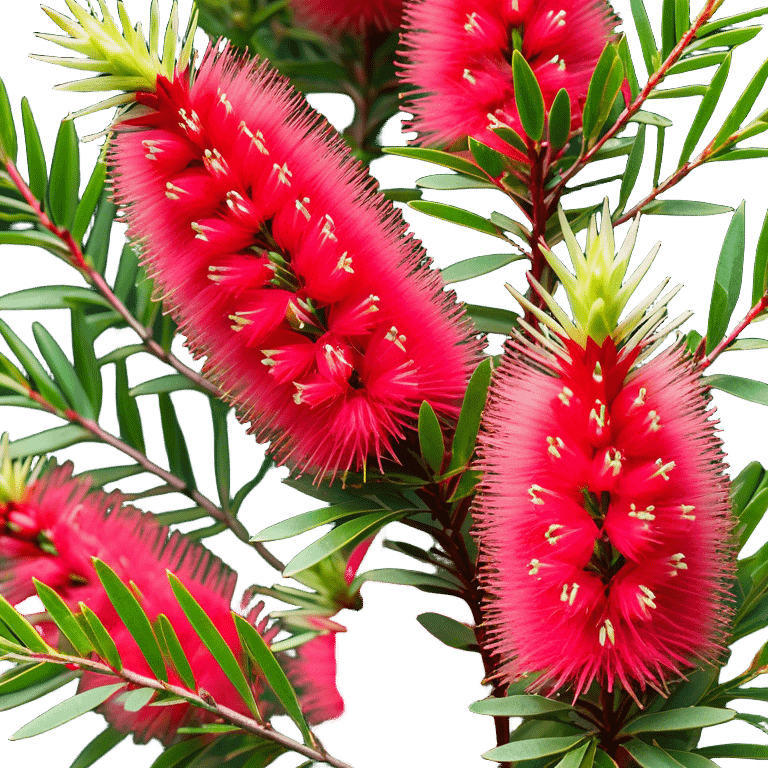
[431,440]
[532,749]
[464,438]
[520,706]
[449,631]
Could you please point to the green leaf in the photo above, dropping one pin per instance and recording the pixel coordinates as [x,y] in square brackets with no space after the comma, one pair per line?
[84,357]
[679,720]
[97,247]
[93,752]
[89,200]
[438,157]
[99,637]
[697,62]
[32,366]
[682,92]
[519,706]
[533,749]
[477,266]
[580,757]
[604,87]
[705,111]
[746,389]
[426,582]
[137,699]
[402,195]
[469,419]
[649,756]
[744,486]
[181,515]
[121,353]
[100,477]
[35,691]
[172,382]
[306,521]
[629,68]
[64,373]
[560,120]
[645,33]
[760,273]
[742,751]
[49,441]
[67,710]
[34,237]
[176,654]
[64,618]
[684,208]
[37,168]
[214,642]
[21,628]
[345,533]
[491,319]
[219,413]
[727,287]
[452,633]
[489,160]
[128,416]
[132,615]
[752,515]
[510,225]
[456,216]
[175,445]
[728,21]
[743,105]
[747,344]
[430,437]
[64,183]
[691,759]
[21,676]
[443,181]
[729,38]
[125,280]
[632,171]
[52,297]
[528,98]
[254,645]
[668,37]
[682,18]
[179,754]
[9,144]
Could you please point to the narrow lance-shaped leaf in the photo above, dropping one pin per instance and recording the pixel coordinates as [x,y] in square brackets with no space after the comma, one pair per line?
[84,357]
[533,749]
[746,389]
[132,615]
[430,437]
[97,247]
[175,445]
[20,627]
[519,706]
[176,654]
[66,711]
[705,111]
[560,120]
[528,97]
[37,169]
[214,642]
[99,637]
[679,720]
[477,266]
[8,141]
[649,756]
[668,36]
[456,216]
[171,382]
[128,416]
[49,440]
[64,618]
[491,161]
[760,272]
[219,413]
[254,645]
[682,18]
[469,418]
[743,105]
[87,204]
[107,740]
[449,631]
[603,88]
[632,171]
[64,182]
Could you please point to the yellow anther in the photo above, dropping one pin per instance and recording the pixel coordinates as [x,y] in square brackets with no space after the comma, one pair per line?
[655,424]
[555,443]
[640,399]
[534,566]
[663,469]
[607,633]
[642,514]
[469,77]
[199,230]
[532,491]
[301,206]
[612,462]
[236,201]
[597,373]
[172,192]
[283,174]
[676,561]
[548,534]
[257,139]
[565,396]
[214,160]
[685,511]
[397,339]
[646,597]
[471,24]
[345,263]
[226,102]
[598,415]
[328,229]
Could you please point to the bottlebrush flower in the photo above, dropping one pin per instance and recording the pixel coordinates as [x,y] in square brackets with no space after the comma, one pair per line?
[458,53]
[53,527]
[349,15]
[603,518]
[317,313]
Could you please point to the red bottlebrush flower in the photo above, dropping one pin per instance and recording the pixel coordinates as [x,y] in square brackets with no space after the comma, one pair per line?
[458,53]
[603,518]
[317,314]
[66,524]
[336,16]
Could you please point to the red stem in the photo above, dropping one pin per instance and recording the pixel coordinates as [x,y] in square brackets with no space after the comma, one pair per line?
[707,360]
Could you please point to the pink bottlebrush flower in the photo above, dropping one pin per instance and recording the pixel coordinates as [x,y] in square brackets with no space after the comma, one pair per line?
[352,16]
[57,524]
[458,53]
[317,314]
[603,518]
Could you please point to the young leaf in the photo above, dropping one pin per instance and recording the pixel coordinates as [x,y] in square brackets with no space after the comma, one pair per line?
[469,419]
[629,68]
[37,169]
[84,357]
[560,120]
[87,204]
[214,642]
[67,710]
[491,161]
[175,445]
[64,183]
[64,618]
[306,521]
[128,416]
[603,88]
[97,247]
[744,104]
[632,171]
[107,740]
[449,631]
[176,654]
[21,628]
[519,706]
[99,637]
[533,749]
[254,645]
[430,437]
[347,532]
[477,266]
[760,272]
[8,142]
[705,111]
[132,615]
[679,720]
[528,97]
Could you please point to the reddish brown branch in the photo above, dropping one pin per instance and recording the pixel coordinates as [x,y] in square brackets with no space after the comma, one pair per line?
[750,317]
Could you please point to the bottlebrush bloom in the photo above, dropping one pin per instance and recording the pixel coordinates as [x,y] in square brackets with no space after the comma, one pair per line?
[458,54]
[603,518]
[317,313]
[54,525]
[349,15]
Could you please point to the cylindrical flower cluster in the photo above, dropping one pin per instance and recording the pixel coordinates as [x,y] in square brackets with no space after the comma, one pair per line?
[316,312]
[603,517]
[53,530]
[458,55]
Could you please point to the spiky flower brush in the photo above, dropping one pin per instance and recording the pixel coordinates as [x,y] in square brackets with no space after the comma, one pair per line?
[603,519]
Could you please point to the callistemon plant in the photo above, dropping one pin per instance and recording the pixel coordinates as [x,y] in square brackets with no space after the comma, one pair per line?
[60,533]
[316,312]
[459,55]
[603,517]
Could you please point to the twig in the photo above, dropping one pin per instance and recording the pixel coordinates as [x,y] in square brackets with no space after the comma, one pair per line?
[707,360]
[241,721]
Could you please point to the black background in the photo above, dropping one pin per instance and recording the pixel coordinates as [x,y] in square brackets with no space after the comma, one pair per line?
[407,694]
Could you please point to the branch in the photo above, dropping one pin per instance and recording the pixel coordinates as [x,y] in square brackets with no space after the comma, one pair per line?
[241,721]
[751,316]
